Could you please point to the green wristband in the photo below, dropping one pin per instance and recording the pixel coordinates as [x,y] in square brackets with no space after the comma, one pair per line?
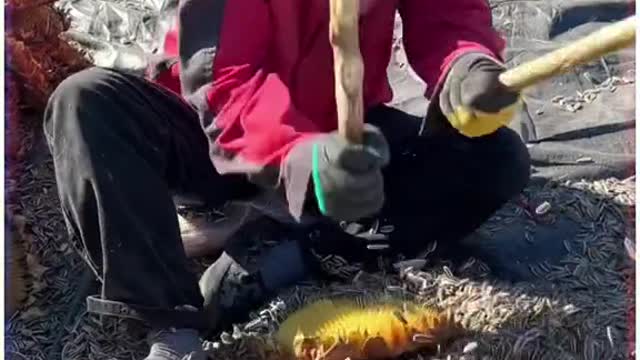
[317,186]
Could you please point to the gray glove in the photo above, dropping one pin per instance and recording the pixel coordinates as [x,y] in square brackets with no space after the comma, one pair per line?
[347,177]
[473,99]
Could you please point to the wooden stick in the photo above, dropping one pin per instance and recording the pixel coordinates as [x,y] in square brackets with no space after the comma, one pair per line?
[599,43]
[348,67]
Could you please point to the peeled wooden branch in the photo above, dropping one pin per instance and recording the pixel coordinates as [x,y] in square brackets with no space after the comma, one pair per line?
[348,67]
[599,43]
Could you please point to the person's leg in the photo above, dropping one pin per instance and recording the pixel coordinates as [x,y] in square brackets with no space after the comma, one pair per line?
[442,187]
[121,146]
[437,188]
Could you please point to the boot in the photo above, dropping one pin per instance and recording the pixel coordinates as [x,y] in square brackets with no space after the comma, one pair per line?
[232,289]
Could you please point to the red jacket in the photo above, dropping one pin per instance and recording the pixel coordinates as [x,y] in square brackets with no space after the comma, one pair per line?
[271,84]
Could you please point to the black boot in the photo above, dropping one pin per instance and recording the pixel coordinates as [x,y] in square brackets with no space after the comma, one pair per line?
[233,286]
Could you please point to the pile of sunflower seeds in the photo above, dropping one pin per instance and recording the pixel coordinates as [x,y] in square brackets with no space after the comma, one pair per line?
[577,308]
[575,103]
[52,322]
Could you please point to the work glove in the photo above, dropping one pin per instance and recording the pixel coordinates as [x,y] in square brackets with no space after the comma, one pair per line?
[473,100]
[347,178]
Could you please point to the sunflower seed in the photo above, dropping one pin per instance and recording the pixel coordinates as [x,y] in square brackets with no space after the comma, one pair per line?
[377,246]
[610,336]
[387,229]
[584,160]
[470,347]
[405,265]
[543,208]
[630,246]
[226,338]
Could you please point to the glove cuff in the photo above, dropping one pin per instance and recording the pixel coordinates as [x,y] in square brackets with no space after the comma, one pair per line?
[296,176]
[315,175]
[468,62]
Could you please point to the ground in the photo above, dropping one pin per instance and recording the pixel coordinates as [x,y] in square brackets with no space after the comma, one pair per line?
[575,310]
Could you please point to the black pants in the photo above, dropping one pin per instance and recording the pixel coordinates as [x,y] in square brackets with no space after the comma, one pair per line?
[122,146]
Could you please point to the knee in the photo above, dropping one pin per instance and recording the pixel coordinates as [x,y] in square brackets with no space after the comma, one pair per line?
[81,86]
[71,103]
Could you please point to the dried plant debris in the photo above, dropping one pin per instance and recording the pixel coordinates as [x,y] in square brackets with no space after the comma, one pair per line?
[38,59]
[577,309]
[37,54]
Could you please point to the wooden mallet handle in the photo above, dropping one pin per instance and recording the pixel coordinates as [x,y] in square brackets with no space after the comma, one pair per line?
[599,43]
[348,67]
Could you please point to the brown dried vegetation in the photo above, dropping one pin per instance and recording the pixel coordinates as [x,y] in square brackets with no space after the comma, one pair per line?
[38,59]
